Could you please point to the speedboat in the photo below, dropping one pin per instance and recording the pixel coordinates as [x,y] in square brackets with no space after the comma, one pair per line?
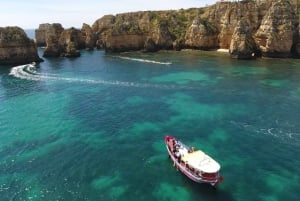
[195,164]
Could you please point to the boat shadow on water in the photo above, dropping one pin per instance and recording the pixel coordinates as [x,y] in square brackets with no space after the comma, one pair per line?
[207,192]
[201,191]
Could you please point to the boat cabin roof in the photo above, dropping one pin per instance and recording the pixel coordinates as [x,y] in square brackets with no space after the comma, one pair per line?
[199,160]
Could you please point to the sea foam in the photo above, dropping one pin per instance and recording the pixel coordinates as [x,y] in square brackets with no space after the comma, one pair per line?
[29,72]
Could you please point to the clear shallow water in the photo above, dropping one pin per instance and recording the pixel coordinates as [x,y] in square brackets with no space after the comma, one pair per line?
[92,128]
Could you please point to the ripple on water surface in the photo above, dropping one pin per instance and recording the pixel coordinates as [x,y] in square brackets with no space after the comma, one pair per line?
[92,128]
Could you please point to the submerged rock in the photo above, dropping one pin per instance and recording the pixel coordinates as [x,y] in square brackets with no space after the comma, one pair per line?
[16,47]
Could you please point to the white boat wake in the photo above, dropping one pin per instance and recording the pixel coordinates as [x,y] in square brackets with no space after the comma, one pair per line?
[145,60]
[29,72]
[282,130]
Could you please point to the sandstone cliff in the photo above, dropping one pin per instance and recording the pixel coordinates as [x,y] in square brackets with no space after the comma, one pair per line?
[268,27]
[70,42]
[271,25]
[201,35]
[88,36]
[64,43]
[16,47]
[278,30]
[45,30]
[48,35]
[148,31]
[242,44]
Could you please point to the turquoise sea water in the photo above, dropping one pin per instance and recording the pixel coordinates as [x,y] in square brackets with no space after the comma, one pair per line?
[92,128]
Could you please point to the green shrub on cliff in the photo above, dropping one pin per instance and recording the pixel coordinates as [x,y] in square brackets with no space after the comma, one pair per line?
[177,21]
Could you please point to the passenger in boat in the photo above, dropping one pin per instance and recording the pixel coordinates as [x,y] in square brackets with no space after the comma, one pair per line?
[187,166]
[171,145]
[179,158]
[177,154]
[191,150]
[176,146]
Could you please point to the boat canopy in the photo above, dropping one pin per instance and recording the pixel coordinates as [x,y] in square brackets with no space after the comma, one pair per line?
[199,160]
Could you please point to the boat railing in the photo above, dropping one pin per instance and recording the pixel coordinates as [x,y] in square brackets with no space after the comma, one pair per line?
[210,176]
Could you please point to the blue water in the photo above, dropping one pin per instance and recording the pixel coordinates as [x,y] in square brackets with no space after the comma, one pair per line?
[30,33]
[92,128]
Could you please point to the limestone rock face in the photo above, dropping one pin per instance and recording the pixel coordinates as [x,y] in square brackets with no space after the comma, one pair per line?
[88,36]
[101,28]
[52,49]
[48,35]
[226,15]
[276,34]
[242,44]
[16,47]
[178,44]
[200,35]
[272,24]
[124,42]
[104,23]
[45,30]
[297,46]
[150,45]
[70,41]
[162,37]
[125,33]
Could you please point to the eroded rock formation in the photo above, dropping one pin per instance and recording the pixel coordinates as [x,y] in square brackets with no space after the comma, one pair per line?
[297,45]
[273,24]
[67,43]
[89,37]
[48,35]
[16,47]
[242,44]
[52,48]
[45,30]
[201,35]
[70,42]
[278,30]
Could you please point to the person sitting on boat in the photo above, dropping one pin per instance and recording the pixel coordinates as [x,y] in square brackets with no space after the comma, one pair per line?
[179,158]
[191,150]
[176,146]
[177,154]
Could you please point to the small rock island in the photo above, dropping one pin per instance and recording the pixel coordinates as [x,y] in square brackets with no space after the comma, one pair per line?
[16,47]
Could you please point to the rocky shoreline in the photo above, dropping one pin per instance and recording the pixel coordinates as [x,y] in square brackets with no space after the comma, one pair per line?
[248,29]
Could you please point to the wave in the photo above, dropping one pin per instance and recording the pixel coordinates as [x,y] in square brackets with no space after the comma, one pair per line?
[29,72]
[144,60]
[283,131]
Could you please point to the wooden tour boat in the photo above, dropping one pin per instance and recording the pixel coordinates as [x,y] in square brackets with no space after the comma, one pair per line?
[195,164]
